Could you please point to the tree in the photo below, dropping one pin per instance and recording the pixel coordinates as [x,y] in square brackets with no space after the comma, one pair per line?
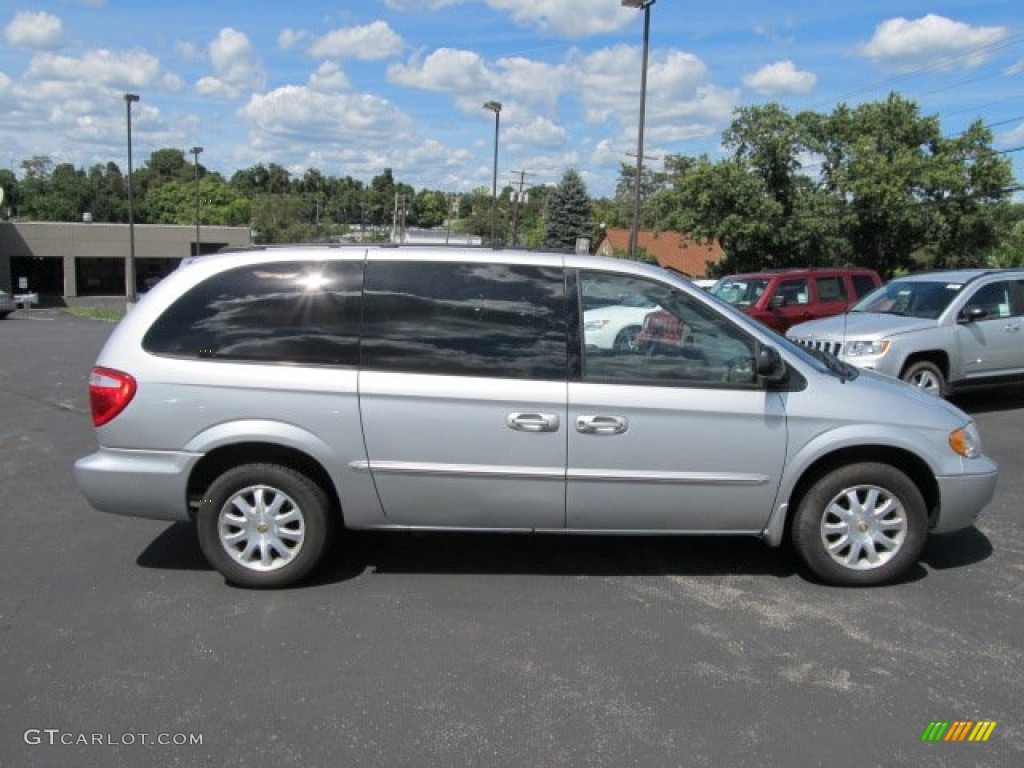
[567,212]
[888,191]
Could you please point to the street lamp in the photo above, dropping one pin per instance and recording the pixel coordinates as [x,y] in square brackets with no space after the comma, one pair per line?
[635,231]
[129,267]
[195,151]
[495,107]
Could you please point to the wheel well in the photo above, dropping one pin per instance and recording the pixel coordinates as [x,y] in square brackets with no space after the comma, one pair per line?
[219,460]
[912,466]
[936,356]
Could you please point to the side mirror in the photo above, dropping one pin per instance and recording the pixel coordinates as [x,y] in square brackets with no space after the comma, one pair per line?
[777,301]
[771,368]
[972,314]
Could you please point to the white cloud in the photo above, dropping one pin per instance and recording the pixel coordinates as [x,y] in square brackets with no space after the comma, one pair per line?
[1015,69]
[568,18]
[532,82]
[781,77]
[1014,137]
[286,38]
[417,5]
[445,70]
[298,112]
[469,81]
[99,67]
[539,132]
[235,66]
[929,39]
[328,77]
[371,42]
[186,50]
[35,30]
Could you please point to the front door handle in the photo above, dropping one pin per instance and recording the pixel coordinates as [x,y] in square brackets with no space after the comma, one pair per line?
[533,422]
[602,425]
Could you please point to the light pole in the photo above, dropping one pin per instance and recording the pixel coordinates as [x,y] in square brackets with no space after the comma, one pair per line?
[129,266]
[195,151]
[495,107]
[635,230]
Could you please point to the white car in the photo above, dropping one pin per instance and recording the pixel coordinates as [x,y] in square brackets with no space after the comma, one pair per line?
[26,300]
[7,304]
[616,326]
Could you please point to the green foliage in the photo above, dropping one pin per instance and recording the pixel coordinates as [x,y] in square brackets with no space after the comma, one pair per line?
[568,212]
[888,191]
[876,185]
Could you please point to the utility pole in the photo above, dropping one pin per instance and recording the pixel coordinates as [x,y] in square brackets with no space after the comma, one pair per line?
[515,207]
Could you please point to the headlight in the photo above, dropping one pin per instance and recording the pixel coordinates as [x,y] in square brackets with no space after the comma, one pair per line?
[866,348]
[966,441]
[595,325]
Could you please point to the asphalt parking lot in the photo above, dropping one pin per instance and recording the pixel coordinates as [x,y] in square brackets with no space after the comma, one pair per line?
[444,650]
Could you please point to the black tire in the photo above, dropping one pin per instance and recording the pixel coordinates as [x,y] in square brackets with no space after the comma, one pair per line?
[926,375]
[625,340]
[861,525]
[264,525]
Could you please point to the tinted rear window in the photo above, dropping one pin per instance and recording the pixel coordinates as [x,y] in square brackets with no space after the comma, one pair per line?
[491,320]
[296,312]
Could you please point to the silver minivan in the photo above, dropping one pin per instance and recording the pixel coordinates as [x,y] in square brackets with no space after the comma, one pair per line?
[277,397]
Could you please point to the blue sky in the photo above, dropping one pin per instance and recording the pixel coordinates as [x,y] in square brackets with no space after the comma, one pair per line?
[352,88]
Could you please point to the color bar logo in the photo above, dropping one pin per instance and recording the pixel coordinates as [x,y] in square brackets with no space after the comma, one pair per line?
[958,730]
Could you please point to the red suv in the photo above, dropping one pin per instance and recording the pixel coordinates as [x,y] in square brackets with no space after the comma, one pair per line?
[783,298]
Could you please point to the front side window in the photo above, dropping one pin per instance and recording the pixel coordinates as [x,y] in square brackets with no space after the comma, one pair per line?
[289,312]
[994,298]
[792,291]
[489,320]
[669,338]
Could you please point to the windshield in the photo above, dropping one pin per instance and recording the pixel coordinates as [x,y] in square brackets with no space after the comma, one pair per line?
[740,292]
[912,298]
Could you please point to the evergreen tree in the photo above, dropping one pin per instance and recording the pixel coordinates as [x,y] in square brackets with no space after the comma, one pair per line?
[567,212]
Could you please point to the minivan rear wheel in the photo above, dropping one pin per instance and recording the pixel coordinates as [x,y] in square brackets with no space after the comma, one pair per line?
[264,525]
[860,525]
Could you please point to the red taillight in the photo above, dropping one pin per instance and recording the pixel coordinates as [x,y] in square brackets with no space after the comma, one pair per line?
[110,392]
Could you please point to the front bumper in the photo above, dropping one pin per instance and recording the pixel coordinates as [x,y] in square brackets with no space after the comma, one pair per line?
[152,484]
[964,496]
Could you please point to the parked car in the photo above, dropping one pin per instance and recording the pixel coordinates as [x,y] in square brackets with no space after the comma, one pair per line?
[7,304]
[277,397]
[26,300]
[780,299]
[617,325]
[941,331]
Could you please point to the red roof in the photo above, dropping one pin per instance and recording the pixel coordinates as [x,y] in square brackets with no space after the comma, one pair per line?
[674,251]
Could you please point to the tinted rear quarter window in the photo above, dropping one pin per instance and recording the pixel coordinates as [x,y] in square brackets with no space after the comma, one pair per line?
[488,320]
[831,288]
[294,312]
[863,285]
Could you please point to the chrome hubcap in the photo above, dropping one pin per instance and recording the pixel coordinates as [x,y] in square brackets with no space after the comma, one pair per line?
[261,528]
[927,381]
[863,527]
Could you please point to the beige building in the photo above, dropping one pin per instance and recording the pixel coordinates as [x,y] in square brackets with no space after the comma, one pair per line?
[61,260]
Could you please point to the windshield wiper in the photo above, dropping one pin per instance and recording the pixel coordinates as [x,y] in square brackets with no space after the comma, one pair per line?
[844,371]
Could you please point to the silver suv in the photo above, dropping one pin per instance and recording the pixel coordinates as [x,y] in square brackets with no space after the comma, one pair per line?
[941,331]
[277,397]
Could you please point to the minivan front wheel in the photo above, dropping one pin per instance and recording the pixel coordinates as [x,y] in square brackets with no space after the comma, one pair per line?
[264,525]
[860,525]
